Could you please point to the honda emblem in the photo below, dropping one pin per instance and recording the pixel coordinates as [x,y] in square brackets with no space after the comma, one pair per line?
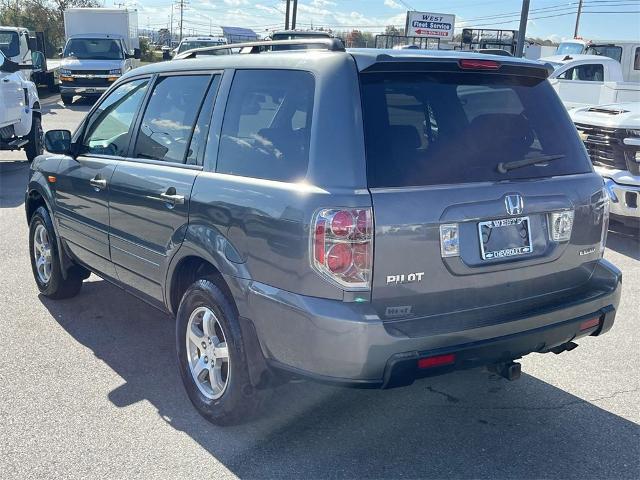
[514,204]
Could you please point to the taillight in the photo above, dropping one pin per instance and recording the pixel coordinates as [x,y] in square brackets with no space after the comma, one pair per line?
[473,64]
[342,246]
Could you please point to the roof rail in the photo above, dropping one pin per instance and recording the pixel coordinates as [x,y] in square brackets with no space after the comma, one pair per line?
[330,44]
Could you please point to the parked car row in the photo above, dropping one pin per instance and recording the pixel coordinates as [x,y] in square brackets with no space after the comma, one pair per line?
[361,217]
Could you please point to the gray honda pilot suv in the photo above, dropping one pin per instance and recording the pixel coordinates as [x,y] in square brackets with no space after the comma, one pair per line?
[361,217]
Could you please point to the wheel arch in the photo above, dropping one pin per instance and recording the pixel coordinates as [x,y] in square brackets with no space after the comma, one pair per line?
[204,249]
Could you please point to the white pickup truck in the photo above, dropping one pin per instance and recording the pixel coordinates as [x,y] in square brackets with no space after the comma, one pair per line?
[20,117]
[611,134]
[583,80]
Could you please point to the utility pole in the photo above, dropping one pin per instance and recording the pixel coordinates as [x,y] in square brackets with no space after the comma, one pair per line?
[173,6]
[182,4]
[286,16]
[575,32]
[522,32]
[294,14]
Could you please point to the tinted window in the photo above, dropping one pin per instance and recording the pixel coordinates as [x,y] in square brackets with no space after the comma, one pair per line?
[425,129]
[267,125]
[108,128]
[586,73]
[636,61]
[168,120]
[198,140]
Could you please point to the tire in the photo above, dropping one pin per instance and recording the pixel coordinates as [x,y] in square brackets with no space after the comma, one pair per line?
[51,282]
[67,99]
[237,400]
[35,146]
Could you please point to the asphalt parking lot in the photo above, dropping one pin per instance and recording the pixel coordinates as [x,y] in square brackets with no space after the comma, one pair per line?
[89,389]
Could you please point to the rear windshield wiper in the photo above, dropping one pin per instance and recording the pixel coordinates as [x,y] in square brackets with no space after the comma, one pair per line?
[504,167]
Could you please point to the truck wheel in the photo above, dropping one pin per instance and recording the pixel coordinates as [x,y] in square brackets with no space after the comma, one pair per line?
[45,260]
[35,146]
[212,357]
[67,99]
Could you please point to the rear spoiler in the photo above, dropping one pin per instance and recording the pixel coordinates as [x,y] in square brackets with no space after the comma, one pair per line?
[504,65]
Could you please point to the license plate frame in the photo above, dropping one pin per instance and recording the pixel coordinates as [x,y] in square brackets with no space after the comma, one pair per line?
[508,252]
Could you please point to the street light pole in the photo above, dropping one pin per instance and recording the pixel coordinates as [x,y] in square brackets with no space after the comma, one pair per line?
[575,32]
[286,16]
[294,14]
[522,32]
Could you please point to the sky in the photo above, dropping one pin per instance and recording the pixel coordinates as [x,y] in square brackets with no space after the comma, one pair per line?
[552,19]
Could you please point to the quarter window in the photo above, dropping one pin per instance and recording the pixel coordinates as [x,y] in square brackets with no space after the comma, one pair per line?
[108,129]
[169,118]
[267,125]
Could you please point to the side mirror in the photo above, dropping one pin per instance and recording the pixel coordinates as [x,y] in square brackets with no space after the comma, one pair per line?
[58,141]
[60,52]
[137,53]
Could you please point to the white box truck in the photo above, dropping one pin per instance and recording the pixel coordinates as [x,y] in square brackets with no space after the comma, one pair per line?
[102,44]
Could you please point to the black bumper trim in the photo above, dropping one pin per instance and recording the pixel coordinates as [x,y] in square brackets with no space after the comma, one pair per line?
[402,369]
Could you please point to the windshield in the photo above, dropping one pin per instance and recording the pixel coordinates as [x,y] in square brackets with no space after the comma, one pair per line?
[570,48]
[443,128]
[93,49]
[184,46]
[611,51]
[10,44]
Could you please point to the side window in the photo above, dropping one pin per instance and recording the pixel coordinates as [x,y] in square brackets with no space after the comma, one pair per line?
[169,118]
[267,126]
[199,138]
[567,75]
[108,129]
[588,73]
[636,60]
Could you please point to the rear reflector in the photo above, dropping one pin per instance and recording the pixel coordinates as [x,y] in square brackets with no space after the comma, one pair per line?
[437,361]
[470,64]
[592,322]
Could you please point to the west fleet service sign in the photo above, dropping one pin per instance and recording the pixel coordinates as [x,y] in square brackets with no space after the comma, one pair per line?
[430,25]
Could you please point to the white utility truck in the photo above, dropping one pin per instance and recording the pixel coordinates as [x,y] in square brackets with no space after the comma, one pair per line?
[20,46]
[20,117]
[624,51]
[102,44]
[583,80]
[611,134]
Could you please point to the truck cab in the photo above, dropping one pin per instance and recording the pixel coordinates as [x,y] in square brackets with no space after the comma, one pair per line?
[24,48]
[625,52]
[583,80]
[102,45]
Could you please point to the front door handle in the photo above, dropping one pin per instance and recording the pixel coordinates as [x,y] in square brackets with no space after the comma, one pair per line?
[172,198]
[98,183]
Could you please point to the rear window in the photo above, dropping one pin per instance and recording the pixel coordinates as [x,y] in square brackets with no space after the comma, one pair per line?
[439,128]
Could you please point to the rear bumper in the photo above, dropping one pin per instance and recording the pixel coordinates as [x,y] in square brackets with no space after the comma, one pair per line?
[348,344]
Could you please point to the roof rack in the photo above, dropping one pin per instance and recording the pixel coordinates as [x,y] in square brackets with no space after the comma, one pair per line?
[330,44]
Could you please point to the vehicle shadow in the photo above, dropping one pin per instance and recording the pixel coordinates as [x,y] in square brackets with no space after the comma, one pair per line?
[624,240]
[465,425]
[14,175]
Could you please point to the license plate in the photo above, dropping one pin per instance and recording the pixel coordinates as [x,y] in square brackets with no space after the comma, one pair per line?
[506,237]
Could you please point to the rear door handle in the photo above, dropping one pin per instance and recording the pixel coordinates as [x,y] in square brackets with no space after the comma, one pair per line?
[172,198]
[98,183]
